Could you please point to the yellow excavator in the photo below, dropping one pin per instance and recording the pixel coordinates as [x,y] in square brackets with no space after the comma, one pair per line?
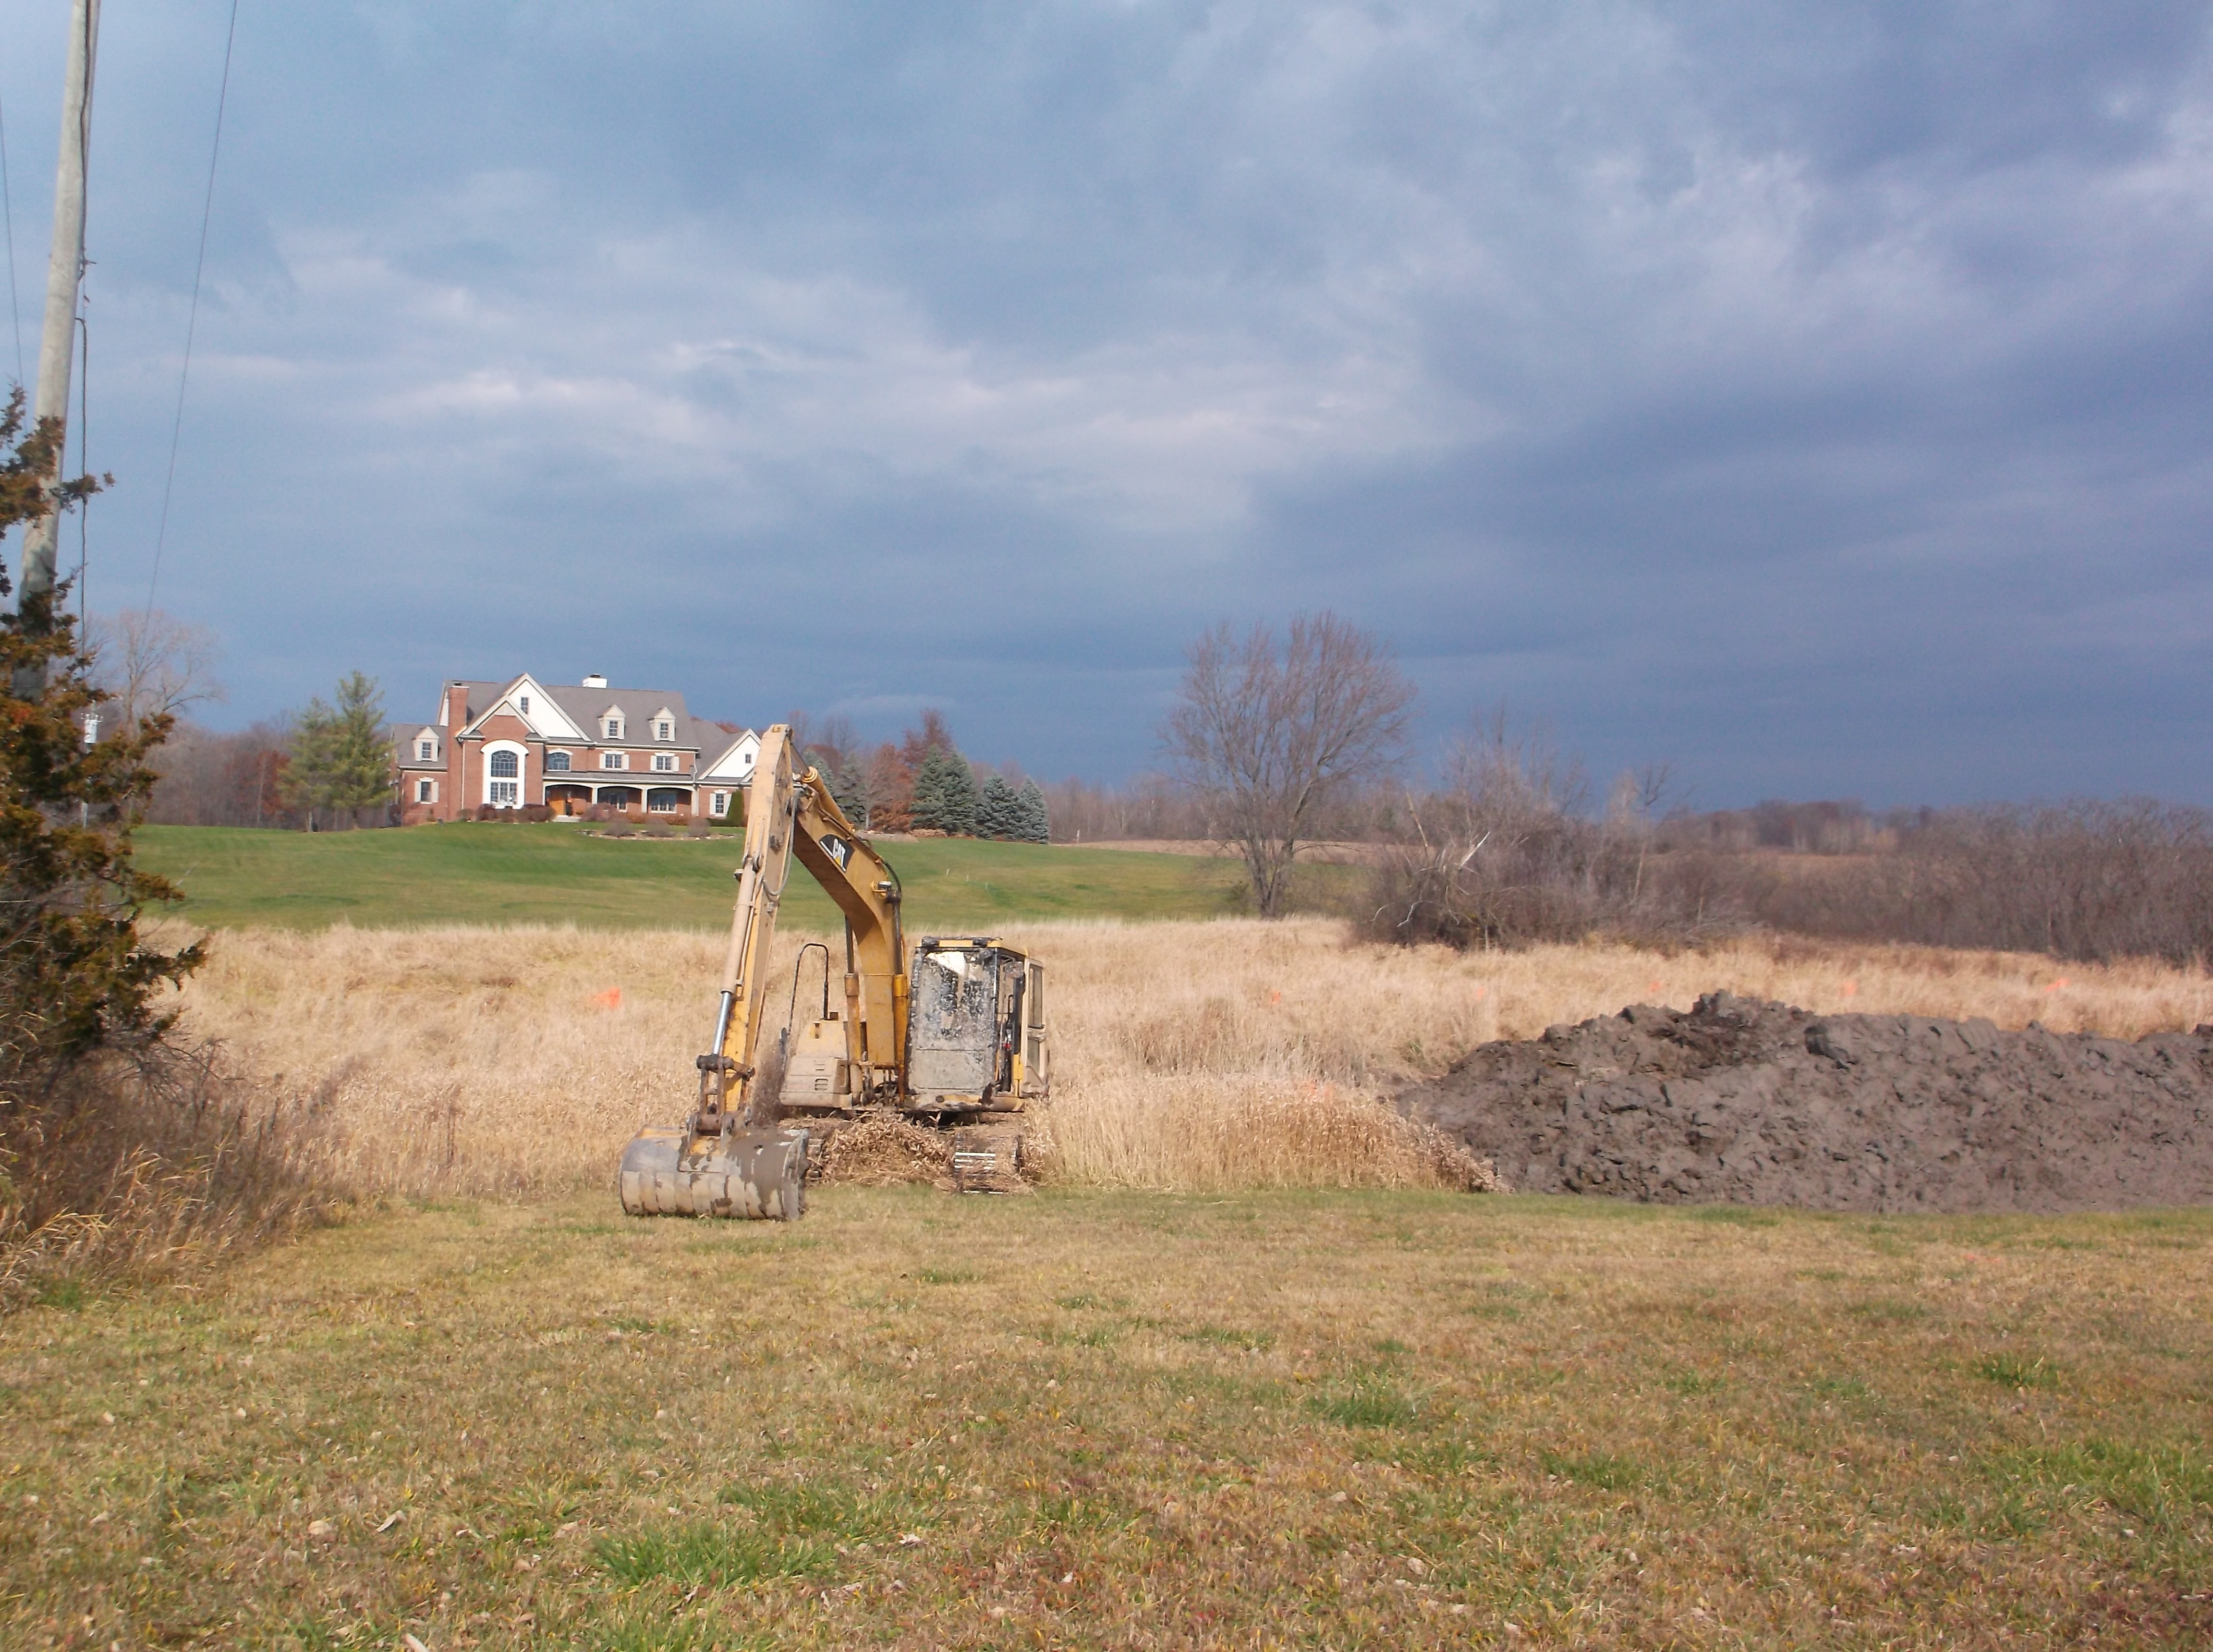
[958,1041]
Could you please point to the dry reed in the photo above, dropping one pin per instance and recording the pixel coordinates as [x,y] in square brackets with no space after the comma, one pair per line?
[144,1168]
[1190,1055]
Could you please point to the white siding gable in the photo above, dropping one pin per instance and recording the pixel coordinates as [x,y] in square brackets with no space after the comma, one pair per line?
[735,764]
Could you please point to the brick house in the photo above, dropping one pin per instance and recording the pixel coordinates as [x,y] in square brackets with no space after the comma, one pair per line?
[519,743]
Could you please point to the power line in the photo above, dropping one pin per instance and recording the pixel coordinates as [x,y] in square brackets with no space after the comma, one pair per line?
[8,200]
[192,318]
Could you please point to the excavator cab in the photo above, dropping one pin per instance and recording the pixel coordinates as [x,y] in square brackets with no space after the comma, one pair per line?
[976,1039]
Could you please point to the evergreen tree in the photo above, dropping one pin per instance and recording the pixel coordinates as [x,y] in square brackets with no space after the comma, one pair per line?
[310,763]
[1036,826]
[339,763]
[75,974]
[848,784]
[362,756]
[999,811]
[945,794]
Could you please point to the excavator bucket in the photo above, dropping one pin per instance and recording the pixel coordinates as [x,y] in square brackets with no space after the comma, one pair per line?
[755,1174]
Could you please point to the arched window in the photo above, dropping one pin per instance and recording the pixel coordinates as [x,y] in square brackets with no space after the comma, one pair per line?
[556,762]
[503,776]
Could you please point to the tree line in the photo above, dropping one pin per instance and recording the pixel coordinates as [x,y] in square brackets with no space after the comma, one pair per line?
[921,783]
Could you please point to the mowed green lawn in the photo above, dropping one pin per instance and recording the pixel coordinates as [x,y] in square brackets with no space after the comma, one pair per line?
[554,873]
[1346,1420]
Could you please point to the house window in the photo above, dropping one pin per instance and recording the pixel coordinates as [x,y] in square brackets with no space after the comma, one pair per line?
[426,751]
[556,762]
[525,704]
[664,730]
[718,804]
[426,791]
[667,800]
[613,727]
[503,785]
[613,760]
[664,762]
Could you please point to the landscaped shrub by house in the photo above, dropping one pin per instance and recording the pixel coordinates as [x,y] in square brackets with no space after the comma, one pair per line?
[618,828]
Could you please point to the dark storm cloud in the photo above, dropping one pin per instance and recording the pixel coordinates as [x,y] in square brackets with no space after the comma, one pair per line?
[1816,398]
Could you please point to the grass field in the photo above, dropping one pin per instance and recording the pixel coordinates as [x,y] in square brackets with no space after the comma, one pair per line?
[554,873]
[1269,1420]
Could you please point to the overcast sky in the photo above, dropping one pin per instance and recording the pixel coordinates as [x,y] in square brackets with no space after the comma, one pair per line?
[1815,398]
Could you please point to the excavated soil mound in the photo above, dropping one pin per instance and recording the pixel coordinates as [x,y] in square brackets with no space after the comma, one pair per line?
[1757,1103]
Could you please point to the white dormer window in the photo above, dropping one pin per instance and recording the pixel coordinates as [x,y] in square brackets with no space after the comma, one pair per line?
[664,730]
[613,728]
[664,762]
[426,751]
[613,760]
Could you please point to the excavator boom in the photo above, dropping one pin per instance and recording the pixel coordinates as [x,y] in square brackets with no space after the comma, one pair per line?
[729,1158]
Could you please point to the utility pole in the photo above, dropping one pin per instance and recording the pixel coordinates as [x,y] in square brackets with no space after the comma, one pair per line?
[65,275]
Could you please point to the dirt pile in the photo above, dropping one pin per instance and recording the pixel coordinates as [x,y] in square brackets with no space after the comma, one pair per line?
[1757,1103]
[880,1152]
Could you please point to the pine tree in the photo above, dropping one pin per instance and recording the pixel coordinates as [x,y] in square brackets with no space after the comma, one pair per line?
[1036,826]
[75,974]
[362,765]
[849,786]
[998,811]
[945,794]
[310,762]
[339,762]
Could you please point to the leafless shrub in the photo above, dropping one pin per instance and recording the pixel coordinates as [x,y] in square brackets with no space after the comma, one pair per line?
[1504,856]
[2082,880]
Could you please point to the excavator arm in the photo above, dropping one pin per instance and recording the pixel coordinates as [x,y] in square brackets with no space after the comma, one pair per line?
[789,815]
[727,1159]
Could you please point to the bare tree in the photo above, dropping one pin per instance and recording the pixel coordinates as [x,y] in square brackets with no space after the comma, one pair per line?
[153,664]
[1265,736]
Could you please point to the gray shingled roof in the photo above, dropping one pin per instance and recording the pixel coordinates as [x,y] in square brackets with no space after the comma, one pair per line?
[584,706]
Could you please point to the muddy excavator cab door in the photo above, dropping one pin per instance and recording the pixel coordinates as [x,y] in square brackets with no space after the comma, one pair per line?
[956,1024]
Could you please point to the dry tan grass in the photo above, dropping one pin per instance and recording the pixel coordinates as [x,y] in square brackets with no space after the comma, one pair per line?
[1188,1055]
